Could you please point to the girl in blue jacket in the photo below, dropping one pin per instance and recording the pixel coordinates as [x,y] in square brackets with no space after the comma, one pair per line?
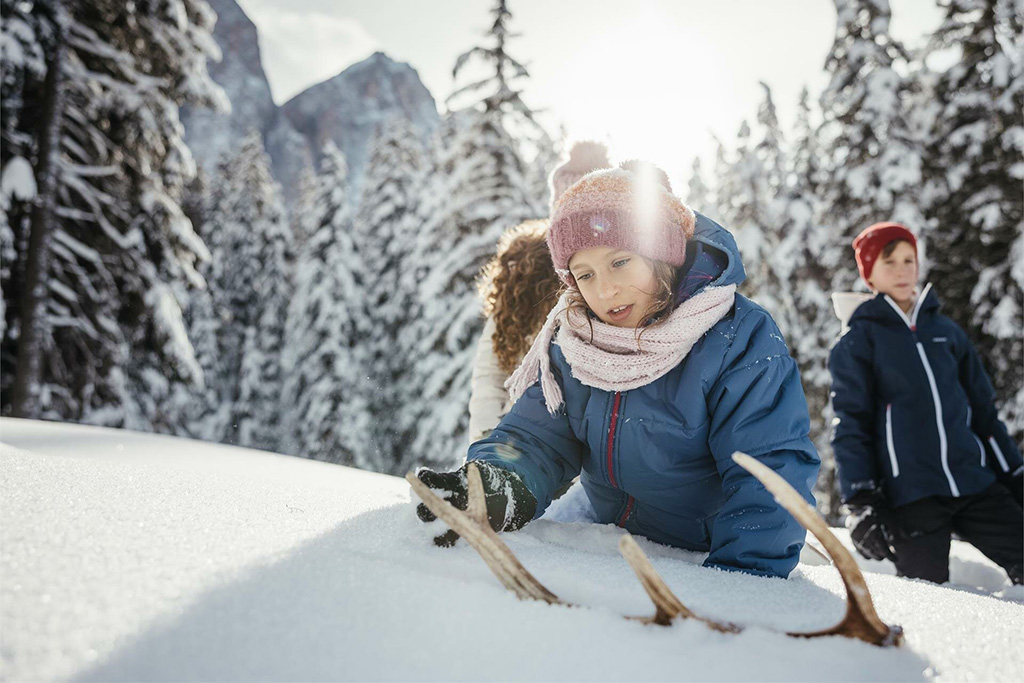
[646,377]
[919,446]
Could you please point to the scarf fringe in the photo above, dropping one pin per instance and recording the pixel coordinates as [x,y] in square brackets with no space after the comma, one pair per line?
[537,360]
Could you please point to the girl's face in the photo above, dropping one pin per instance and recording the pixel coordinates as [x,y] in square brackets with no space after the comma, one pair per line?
[896,274]
[618,286]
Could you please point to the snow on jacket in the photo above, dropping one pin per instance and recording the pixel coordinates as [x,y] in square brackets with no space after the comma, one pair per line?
[489,401]
[915,411]
[657,460]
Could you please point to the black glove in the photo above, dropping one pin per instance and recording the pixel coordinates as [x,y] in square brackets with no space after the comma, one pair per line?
[510,505]
[869,531]
[1014,482]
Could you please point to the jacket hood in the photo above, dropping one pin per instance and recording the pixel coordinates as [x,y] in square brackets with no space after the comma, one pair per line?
[713,236]
[845,303]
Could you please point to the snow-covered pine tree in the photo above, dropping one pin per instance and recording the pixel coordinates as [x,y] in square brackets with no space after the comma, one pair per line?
[486,187]
[699,195]
[303,214]
[203,416]
[500,98]
[974,173]
[17,186]
[428,217]
[720,171]
[205,413]
[21,62]
[807,321]
[484,182]
[325,392]
[387,227]
[120,252]
[250,286]
[770,147]
[35,324]
[747,203]
[875,154]
[548,154]
[775,293]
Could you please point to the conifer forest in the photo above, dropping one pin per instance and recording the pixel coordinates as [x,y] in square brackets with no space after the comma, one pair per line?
[166,273]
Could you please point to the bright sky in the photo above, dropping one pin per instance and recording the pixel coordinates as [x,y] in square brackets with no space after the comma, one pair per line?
[654,78]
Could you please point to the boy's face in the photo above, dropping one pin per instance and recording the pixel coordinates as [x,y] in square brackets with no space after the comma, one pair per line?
[896,274]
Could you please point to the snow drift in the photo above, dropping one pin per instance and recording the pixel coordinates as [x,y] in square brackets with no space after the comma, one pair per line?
[136,557]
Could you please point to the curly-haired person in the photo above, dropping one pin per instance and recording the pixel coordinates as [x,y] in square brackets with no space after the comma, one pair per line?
[518,287]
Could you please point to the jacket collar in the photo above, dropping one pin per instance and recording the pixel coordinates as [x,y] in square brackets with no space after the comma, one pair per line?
[883,308]
[911,320]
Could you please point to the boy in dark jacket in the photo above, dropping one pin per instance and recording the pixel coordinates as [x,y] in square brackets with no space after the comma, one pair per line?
[920,449]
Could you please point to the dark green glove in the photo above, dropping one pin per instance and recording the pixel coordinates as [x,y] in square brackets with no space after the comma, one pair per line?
[510,505]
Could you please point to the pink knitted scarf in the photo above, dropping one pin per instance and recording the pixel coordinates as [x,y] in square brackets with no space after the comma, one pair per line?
[614,361]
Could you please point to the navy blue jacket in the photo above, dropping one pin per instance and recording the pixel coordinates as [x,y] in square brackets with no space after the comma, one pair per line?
[657,460]
[915,411]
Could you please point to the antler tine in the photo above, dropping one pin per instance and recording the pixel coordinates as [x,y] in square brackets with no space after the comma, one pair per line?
[861,621]
[476,509]
[478,533]
[667,605]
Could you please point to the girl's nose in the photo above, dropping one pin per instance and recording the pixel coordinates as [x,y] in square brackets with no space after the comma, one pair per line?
[608,289]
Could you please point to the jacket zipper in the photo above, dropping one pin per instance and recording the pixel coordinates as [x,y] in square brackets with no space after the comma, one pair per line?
[943,446]
[889,442]
[611,448]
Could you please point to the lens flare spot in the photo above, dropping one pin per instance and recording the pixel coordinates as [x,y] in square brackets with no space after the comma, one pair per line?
[507,452]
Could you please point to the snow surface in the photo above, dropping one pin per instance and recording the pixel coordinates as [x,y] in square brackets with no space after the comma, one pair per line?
[128,556]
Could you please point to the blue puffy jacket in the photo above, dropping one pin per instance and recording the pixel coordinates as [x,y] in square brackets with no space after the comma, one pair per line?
[915,411]
[657,460]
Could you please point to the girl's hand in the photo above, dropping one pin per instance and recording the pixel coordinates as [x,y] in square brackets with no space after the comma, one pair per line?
[510,505]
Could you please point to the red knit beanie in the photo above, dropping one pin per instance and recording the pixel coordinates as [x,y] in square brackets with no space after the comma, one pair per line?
[869,244]
[630,207]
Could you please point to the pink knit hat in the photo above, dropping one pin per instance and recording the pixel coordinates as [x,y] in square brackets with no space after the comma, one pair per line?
[584,157]
[630,207]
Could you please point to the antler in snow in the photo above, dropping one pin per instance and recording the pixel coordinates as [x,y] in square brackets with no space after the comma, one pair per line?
[861,621]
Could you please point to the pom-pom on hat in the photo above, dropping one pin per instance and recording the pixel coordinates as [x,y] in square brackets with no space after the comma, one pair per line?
[630,207]
[584,157]
[870,242]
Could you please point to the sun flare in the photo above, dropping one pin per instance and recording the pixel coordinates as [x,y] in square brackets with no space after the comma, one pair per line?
[639,85]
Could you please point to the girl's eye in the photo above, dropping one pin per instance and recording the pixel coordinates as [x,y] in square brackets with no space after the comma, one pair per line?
[585,276]
[619,263]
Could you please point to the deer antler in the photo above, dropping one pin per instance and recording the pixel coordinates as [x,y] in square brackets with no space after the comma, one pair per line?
[860,622]
[472,525]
